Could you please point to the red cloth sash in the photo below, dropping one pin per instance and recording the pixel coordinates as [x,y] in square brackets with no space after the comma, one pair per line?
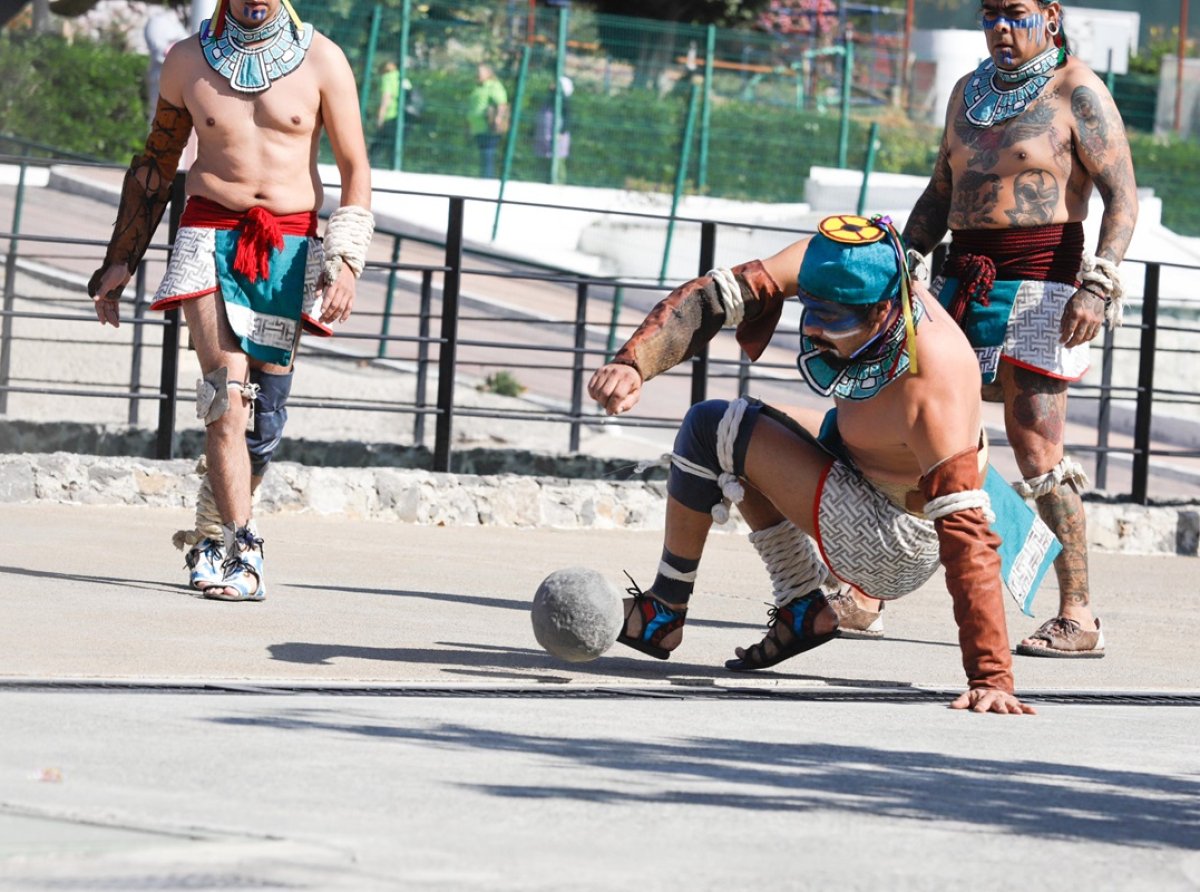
[979,257]
[261,231]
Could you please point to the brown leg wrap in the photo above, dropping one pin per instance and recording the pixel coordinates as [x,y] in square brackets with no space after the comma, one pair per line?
[967,547]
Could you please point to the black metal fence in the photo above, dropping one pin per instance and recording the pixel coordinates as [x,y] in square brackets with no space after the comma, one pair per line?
[587,317]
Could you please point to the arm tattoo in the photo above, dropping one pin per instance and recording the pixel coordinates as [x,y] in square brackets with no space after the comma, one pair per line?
[930,215]
[1089,114]
[1035,193]
[1105,152]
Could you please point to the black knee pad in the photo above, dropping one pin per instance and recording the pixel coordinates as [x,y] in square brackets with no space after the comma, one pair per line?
[697,442]
[270,415]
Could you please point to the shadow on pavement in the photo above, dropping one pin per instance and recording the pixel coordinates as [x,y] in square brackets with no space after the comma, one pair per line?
[1033,799]
[491,661]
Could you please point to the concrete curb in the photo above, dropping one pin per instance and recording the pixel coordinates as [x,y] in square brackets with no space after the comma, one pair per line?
[508,500]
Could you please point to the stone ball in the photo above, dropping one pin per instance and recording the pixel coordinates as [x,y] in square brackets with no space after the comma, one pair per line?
[576,614]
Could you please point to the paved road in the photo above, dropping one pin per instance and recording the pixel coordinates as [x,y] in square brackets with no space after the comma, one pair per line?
[385,720]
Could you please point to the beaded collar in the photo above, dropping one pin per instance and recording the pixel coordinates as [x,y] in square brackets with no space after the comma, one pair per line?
[252,60]
[864,377]
[988,105]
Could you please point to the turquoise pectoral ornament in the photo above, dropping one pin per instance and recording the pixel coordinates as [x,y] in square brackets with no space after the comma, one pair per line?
[252,60]
[987,105]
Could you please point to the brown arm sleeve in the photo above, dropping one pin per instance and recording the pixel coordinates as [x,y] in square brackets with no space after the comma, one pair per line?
[692,314]
[146,190]
[967,546]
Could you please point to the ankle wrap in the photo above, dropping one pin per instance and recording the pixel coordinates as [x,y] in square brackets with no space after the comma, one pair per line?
[792,561]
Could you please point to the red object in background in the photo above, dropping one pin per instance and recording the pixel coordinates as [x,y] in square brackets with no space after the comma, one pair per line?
[801,17]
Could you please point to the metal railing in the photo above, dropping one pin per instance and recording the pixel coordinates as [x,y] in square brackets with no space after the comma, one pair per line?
[566,345]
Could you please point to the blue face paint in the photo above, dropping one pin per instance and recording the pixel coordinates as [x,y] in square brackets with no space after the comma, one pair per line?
[254,13]
[833,319]
[1031,24]
[1031,27]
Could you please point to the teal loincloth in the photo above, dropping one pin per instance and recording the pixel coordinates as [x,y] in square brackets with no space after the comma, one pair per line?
[265,315]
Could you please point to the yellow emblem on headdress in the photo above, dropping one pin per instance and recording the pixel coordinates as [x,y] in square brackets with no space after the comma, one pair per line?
[851,229]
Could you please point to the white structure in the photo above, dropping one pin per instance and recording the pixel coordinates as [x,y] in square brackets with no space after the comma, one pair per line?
[1164,109]
[1103,37]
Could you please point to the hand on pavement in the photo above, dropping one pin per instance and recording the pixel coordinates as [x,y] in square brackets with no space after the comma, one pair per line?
[992,700]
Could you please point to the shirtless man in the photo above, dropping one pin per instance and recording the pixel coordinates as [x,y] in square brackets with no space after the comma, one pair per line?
[258,86]
[1028,134]
[846,499]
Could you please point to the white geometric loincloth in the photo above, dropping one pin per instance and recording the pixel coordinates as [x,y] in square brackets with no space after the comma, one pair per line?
[867,541]
[1031,338]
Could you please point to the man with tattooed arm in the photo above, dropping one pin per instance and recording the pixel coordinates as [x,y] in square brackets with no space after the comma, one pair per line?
[257,86]
[1028,135]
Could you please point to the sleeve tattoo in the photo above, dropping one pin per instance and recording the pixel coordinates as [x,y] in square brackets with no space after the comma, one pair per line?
[1104,150]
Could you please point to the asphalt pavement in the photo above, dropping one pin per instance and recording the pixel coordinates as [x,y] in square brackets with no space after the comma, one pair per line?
[386,720]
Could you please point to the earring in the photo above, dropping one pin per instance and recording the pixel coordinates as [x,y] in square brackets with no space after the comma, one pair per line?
[1053,28]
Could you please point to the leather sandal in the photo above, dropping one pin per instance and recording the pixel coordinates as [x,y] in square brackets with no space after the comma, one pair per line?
[798,617]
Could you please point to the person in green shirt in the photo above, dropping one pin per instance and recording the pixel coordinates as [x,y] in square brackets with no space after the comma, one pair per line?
[487,117]
[388,115]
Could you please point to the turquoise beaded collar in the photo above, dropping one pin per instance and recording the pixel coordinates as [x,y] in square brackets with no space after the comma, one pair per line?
[987,105]
[252,60]
[863,378]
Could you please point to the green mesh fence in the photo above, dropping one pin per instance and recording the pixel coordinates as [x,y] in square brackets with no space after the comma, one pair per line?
[770,102]
[770,105]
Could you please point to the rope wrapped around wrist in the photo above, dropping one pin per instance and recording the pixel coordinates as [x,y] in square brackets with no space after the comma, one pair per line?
[1098,273]
[347,238]
[918,266]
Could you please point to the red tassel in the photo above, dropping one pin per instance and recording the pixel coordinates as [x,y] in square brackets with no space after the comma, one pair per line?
[260,233]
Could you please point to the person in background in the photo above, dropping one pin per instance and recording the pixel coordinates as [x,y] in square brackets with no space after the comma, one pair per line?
[543,137]
[487,117]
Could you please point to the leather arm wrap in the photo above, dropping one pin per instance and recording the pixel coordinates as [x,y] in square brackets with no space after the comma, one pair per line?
[146,190]
[968,549]
[688,317]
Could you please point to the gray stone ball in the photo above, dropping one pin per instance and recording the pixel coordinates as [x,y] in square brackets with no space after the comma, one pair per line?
[577,614]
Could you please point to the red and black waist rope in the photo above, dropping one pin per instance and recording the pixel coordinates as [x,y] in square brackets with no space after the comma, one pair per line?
[978,258]
[261,231]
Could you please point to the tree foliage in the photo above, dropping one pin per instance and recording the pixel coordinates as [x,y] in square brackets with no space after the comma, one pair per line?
[83,97]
